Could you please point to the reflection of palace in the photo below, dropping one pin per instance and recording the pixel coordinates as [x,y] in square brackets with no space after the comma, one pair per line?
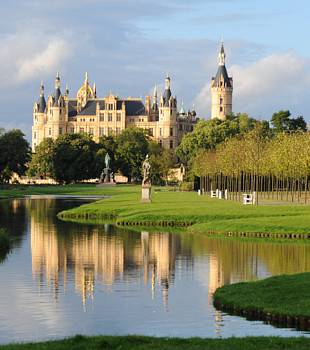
[102,257]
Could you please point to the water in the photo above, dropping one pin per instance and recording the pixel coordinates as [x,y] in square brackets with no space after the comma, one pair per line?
[63,279]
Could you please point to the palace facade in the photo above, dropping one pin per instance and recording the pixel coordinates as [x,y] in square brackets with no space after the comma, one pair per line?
[109,115]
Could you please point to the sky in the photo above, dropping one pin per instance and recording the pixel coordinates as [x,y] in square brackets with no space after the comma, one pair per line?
[128,46]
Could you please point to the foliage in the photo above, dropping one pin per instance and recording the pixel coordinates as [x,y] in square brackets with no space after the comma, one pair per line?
[74,158]
[187,186]
[107,144]
[282,122]
[161,163]
[14,154]
[132,147]
[151,343]
[42,161]
[208,134]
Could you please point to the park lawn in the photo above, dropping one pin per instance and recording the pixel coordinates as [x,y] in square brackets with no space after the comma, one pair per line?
[201,213]
[285,295]
[148,343]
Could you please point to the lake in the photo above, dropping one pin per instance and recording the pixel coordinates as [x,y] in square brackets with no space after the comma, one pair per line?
[62,279]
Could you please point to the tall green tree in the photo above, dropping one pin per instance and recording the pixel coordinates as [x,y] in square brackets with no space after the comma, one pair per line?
[14,153]
[132,147]
[42,161]
[282,122]
[74,158]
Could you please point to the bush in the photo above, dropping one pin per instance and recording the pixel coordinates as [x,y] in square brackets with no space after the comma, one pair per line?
[187,186]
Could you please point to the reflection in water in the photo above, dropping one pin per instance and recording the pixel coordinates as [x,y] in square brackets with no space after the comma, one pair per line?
[141,283]
[101,254]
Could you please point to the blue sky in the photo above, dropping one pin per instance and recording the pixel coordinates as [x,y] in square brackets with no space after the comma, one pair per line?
[127,46]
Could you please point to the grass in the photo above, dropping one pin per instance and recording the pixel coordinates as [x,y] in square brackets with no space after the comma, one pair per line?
[286,295]
[148,343]
[201,213]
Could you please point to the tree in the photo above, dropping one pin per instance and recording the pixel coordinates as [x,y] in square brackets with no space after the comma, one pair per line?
[161,164]
[207,134]
[74,158]
[42,161]
[282,122]
[14,152]
[132,147]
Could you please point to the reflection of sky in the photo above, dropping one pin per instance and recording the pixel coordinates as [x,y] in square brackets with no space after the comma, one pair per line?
[29,310]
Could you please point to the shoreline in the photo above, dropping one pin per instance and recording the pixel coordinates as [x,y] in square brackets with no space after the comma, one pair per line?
[282,301]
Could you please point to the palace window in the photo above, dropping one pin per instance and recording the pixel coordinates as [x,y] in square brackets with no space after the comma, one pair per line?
[34,135]
[109,117]
[71,130]
[118,117]
[81,130]
[49,132]
[221,100]
[91,131]
[151,132]
[160,143]
[171,144]
[101,131]
[180,127]
[118,131]
[160,132]
[171,131]
[60,131]
[110,106]
[221,109]
[101,117]
[109,131]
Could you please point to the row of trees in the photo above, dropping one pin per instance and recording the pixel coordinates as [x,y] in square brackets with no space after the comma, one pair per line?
[276,166]
[208,134]
[76,157]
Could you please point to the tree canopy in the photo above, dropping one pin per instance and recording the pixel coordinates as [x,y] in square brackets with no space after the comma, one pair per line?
[14,154]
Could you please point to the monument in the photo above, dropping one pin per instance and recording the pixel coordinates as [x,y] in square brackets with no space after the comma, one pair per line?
[146,182]
[107,176]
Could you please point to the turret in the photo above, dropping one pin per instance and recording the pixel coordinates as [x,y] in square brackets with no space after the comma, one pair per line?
[155,102]
[221,90]
[39,118]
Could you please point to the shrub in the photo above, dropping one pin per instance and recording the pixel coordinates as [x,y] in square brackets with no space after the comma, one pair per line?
[187,186]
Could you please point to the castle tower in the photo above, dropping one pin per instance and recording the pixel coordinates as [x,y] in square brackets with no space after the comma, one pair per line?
[39,118]
[168,117]
[221,90]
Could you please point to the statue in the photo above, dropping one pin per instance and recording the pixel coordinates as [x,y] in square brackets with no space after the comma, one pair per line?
[146,166]
[146,182]
[107,160]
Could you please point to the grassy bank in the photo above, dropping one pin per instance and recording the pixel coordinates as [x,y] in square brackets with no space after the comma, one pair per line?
[281,300]
[200,214]
[148,343]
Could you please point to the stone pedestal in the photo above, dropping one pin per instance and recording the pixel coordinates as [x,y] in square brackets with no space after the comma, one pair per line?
[146,194]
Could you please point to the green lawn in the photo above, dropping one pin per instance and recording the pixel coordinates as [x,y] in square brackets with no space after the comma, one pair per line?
[205,215]
[286,295]
[202,214]
[148,343]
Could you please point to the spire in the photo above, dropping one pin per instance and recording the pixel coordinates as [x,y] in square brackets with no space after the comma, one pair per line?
[42,102]
[57,92]
[222,55]
[95,90]
[67,90]
[167,92]
[155,106]
[86,78]
[41,89]
[57,81]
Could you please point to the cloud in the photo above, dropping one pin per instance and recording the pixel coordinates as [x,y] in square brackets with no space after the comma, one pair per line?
[27,56]
[277,81]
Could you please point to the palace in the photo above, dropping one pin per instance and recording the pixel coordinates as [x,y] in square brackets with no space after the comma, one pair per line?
[110,115]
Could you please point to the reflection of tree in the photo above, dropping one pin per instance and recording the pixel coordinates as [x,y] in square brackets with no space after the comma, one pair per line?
[13,219]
